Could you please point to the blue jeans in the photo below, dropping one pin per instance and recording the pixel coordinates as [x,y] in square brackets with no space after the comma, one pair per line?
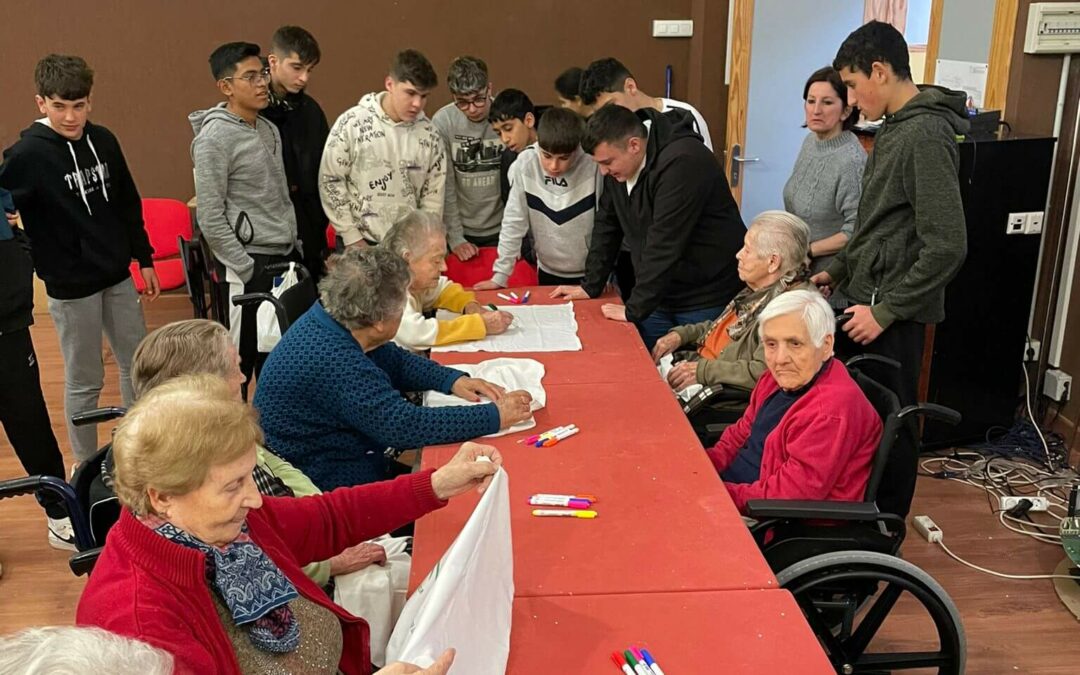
[659,323]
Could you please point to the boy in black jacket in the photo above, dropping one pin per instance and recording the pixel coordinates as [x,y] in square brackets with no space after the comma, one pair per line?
[83,214]
[22,406]
[666,196]
[303,127]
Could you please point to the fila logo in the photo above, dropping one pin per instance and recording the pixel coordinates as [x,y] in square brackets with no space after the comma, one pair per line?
[558,182]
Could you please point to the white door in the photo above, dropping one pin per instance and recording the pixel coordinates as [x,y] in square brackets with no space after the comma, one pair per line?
[788,41]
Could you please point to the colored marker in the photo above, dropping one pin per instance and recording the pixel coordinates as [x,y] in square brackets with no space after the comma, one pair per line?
[553,513]
[514,295]
[588,498]
[621,664]
[504,296]
[561,436]
[547,434]
[525,298]
[639,668]
[653,665]
[560,501]
[492,307]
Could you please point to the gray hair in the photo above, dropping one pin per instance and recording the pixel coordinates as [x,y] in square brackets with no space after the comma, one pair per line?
[364,286]
[467,74]
[70,650]
[413,234]
[814,310]
[785,235]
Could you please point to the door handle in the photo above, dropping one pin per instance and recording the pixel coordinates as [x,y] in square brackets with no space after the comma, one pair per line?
[737,160]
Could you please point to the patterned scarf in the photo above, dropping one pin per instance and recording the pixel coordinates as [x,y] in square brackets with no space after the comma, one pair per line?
[748,303]
[252,587]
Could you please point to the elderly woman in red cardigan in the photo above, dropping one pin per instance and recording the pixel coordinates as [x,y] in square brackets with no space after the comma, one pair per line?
[202,566]
[809,432]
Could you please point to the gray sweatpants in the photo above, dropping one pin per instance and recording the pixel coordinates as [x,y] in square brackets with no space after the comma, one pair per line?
[116,312]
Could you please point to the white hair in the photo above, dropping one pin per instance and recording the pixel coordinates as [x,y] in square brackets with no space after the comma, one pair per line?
[414,233]
[785,235]
[814,310]
[70,650]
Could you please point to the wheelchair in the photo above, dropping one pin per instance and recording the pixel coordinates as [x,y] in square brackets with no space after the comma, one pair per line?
[840,559]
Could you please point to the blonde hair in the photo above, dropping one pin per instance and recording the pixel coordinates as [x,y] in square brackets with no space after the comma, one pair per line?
[180,348]
[172,436]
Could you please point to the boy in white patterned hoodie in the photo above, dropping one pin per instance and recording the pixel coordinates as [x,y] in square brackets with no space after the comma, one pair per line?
[384,157]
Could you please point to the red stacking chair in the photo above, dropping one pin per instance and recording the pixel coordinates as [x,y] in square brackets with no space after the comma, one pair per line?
[478,268]
[166,219]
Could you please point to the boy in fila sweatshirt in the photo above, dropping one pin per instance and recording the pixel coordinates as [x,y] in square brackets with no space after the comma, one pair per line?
[554,188]
[70,182]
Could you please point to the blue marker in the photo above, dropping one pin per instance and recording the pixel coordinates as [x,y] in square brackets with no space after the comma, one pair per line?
[653,665]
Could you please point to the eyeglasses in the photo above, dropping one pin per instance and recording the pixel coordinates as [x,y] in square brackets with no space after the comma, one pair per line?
[474,102]
[252,78]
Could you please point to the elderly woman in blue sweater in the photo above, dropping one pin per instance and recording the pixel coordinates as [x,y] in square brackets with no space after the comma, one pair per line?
[330,394]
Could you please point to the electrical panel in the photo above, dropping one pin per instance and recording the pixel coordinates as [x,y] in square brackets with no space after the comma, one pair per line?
[1053,28]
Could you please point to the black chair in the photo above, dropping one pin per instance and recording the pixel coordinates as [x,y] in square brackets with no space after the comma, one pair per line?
[194,276]
[839,559]
[713,409]
[293,302]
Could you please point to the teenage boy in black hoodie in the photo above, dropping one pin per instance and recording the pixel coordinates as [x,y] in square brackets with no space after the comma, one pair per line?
[302,123]
[666,196]
[22,406]
[910,238]
[82,212]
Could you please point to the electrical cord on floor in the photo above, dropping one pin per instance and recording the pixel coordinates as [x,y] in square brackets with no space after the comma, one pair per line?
[1021,577]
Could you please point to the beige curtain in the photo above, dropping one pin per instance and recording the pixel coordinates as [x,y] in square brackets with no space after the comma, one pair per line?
[889,11]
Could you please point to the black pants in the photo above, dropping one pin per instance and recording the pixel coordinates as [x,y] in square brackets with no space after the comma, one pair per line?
[547,279]
[624,275]
[903,341]
[251,360]
[24,415]
[490,240]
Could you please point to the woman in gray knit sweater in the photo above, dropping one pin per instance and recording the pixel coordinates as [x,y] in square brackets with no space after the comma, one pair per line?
[826,183]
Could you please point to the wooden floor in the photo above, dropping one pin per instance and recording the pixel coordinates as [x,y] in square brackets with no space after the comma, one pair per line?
[1012,626]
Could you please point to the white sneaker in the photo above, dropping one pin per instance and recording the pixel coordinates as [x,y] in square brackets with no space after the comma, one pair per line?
[61,534]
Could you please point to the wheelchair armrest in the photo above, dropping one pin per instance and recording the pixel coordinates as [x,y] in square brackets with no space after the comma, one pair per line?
[83,562]
[872,358]
[712,394]
[248,299]
[31,484]
[97,416]
[798,509]
[932,411]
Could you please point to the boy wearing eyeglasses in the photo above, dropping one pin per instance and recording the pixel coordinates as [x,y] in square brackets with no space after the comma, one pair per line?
[243,209]
[83,215]
[473,212]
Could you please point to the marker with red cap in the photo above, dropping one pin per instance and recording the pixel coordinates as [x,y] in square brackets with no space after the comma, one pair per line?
[621,664]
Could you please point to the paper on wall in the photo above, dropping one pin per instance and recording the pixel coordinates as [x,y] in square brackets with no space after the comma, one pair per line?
[466,601]
[510,374]
[965,76]
[536,328]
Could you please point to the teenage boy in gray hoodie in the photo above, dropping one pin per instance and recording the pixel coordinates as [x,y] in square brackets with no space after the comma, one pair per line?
[474,207]
[244,210]
[910,237]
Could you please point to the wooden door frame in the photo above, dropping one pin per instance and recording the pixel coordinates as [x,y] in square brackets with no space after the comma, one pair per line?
[742,28]
[933,41]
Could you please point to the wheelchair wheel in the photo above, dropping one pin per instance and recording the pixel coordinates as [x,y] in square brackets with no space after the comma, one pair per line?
[846,597]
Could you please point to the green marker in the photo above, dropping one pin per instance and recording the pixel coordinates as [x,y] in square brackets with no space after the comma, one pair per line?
[629,656]
[492,307]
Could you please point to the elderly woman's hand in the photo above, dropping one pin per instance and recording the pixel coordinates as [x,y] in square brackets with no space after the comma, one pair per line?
[665,346]
[463,472]
[472,388]
[683,375]
[357,558]
[440,667]
[513,408]
[496,322]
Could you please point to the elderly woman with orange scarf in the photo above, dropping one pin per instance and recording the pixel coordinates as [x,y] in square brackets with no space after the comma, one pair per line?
[727,351]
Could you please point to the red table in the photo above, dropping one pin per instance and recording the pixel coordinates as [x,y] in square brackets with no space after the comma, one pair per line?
[725,632]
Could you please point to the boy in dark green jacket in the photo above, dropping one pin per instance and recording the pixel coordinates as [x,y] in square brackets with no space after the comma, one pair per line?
[910,238]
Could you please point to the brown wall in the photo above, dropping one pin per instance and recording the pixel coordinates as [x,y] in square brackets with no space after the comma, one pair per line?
[1030,108]
[150,56]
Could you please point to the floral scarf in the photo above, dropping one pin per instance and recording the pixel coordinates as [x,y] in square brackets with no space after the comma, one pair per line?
[748,303]
[250,585]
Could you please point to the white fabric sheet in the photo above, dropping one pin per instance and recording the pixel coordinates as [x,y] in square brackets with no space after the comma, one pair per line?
[536,328]
[466,601]
[511,375]
[665,367]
